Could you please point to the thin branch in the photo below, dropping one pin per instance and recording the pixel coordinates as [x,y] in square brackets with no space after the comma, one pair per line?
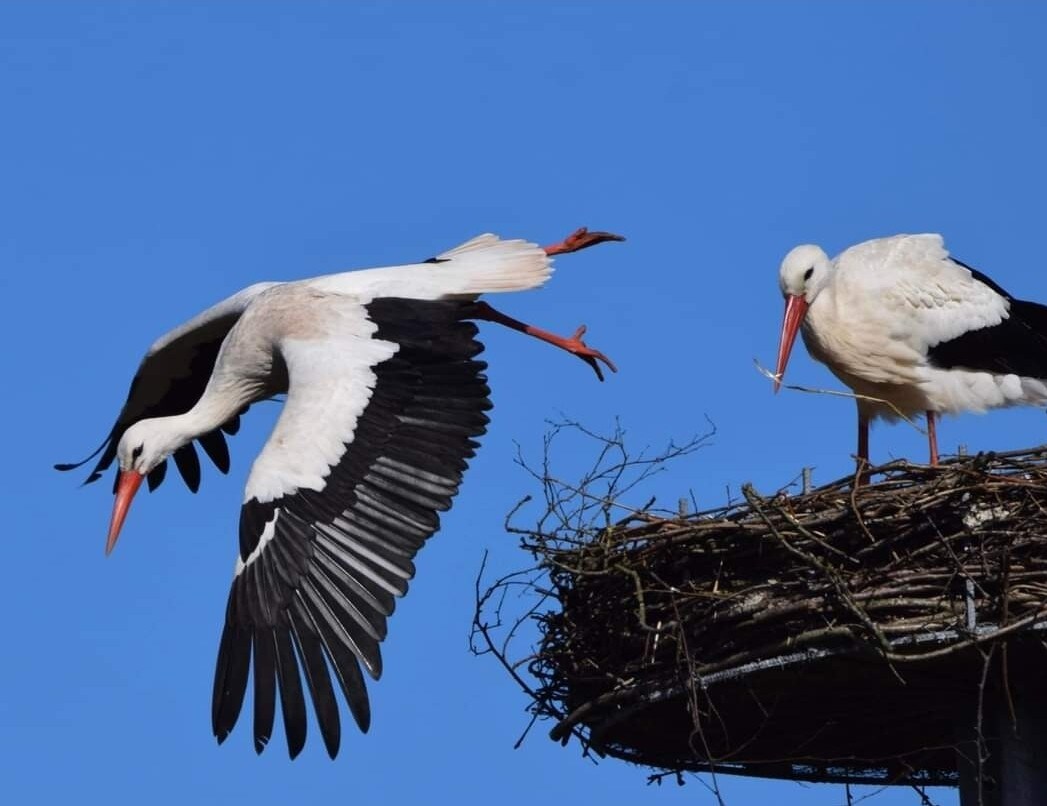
[775,634]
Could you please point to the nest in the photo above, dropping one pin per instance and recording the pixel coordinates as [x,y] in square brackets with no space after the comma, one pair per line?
[846,633]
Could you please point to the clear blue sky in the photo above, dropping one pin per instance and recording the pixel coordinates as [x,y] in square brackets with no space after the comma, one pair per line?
[155,157]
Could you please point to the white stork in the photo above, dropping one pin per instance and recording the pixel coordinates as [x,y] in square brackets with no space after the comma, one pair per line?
[911,329]
[384,400]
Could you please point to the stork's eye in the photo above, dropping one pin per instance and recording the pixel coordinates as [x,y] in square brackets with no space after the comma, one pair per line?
[137,452]
[807,274]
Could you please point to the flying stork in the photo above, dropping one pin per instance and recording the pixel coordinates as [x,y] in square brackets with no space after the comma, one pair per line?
[911,329]
[384,399]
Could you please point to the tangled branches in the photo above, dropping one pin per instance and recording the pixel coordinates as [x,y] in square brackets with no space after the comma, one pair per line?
[849,633]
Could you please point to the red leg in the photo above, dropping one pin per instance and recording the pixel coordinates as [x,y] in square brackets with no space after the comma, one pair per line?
[580,239]
[573,345]
[863,438]
[932,438]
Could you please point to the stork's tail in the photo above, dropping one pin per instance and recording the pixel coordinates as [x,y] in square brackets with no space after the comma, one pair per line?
[486,265]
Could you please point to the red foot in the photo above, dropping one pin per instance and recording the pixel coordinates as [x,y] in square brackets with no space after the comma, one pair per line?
[575,345]
[580,239]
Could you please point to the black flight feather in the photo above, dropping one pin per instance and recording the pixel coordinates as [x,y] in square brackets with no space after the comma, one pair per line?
[264,688]
[188,464]
[1017,345]
[156,475]
[319,592]
[230,681]
[214,445]
[292,703]
[154,392]
[317,678]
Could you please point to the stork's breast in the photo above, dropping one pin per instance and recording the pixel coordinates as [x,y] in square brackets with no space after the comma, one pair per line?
[861,344]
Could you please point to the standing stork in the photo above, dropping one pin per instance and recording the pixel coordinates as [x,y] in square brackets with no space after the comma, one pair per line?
[384,400]
[911,329]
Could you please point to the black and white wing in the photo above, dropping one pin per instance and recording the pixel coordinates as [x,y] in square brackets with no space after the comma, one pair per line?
[170,379]
[372,443]
[1016,345]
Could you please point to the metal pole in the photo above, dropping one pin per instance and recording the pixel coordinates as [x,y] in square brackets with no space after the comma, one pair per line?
[1023,749]
[1014,764]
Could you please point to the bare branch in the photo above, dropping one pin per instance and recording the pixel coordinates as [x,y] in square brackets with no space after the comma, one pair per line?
[803,636]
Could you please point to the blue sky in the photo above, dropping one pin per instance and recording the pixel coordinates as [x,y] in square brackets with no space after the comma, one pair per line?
[156,157]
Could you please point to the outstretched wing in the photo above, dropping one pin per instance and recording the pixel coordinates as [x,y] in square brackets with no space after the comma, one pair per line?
[371,445]
[170,379]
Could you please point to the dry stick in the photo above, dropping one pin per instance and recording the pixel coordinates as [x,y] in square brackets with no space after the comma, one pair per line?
[924,799]
[753,498]
[696,717]
[1003,652]
[621,695]
[626,540]
[641,608]
[982,745]
[484,631]
[976,640]
[837,393]
[811,535]
[857,513]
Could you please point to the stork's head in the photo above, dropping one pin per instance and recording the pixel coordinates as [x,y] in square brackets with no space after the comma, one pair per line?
[804,273]
[143,446]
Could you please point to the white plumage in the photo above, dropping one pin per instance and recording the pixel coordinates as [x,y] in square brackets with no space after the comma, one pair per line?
[912,330]
[384,400]
[337,342]
[483,265]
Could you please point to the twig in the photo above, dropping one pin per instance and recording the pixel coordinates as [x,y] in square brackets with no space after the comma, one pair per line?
[704,626]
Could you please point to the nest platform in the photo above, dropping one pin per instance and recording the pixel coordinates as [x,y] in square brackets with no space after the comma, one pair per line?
[849,633]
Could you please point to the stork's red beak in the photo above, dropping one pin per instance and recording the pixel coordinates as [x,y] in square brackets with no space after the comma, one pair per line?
[795,311]
[126,487]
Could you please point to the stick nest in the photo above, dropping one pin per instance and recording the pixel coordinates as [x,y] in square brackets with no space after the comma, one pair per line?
[848,633]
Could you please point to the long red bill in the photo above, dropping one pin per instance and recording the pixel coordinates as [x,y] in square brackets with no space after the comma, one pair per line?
[126,487]
[795,310]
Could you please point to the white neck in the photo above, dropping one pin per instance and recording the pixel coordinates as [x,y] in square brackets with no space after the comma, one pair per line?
[218,404]
[159,437]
